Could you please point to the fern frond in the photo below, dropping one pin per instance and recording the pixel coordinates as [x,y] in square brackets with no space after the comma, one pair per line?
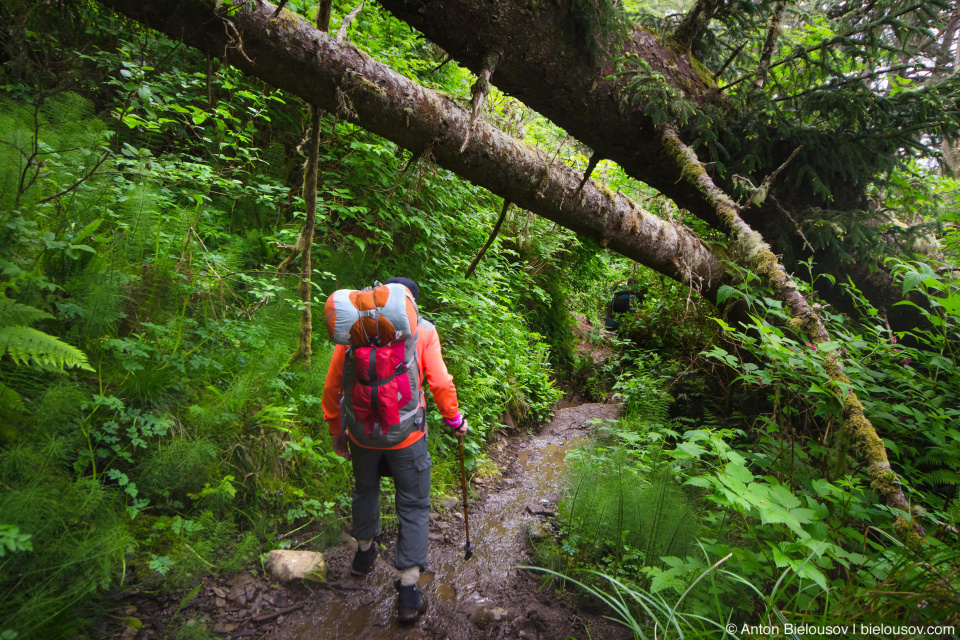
[14,313]
[10,401]
[942,477]
[25,344]
[953,512]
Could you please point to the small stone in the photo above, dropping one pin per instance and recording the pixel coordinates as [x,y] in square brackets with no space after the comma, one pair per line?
[443,526]
[478,480]
[485,615]
[279,620]
[537,530]
[434,537]
[286,565]
[509,482]
[220,602]
[449,502]
[243,588]
[224,627]
[434,516]
[220,593]
[498,614]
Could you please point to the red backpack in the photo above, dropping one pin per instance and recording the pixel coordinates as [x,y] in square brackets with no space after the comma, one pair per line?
[380,398]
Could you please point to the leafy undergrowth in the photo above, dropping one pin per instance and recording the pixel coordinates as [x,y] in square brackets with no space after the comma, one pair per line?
[749,506]
[151,429]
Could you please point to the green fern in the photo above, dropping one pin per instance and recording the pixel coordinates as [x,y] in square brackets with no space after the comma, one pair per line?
[953,512]
[14,313]
[942,477]
[26,345]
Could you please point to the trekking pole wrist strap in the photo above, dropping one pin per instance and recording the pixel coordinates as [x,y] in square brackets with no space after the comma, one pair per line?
[454,423]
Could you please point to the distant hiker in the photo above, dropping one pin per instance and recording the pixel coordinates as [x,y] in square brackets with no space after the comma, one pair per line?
[373,388]
[625,300]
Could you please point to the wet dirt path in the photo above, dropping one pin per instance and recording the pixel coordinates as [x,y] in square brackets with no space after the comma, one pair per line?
[484,597]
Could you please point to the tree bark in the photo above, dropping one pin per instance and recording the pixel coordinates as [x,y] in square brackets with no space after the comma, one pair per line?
[543,64]
[769,44]
[694,23]
[292,55]
[305,241]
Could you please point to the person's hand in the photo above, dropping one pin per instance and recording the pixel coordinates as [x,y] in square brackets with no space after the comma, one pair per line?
[462,431]
[341,446]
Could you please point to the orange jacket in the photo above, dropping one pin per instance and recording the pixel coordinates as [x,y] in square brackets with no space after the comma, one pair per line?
[430,362]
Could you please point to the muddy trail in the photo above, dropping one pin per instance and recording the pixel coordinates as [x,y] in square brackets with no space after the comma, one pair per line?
[487,596]
[484,597]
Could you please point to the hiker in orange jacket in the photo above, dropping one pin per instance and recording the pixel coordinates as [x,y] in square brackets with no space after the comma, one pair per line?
[408,462]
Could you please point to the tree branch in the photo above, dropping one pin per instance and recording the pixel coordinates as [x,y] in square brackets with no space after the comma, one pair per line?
[480,89]
[493,235]
[591,165]
[79,182]
[342,31]
[756,255]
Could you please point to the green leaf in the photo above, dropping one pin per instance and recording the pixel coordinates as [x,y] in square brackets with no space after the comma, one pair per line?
[25,345]
[724,293]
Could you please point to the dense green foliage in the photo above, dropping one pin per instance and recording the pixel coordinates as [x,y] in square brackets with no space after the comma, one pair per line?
[152,430]
[839,109]
[739,459]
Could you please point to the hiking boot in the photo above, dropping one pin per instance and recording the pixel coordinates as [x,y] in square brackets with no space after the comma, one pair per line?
[363,560]
[411,603]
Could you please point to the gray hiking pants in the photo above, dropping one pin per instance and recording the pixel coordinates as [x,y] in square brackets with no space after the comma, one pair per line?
[410,468]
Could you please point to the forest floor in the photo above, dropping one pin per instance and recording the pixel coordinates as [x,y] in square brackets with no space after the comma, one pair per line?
[487,596]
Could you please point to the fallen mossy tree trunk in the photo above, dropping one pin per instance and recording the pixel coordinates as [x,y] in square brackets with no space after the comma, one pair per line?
[289,53]
[286,51]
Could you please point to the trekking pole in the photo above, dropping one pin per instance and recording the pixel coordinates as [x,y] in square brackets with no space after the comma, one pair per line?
[466,520]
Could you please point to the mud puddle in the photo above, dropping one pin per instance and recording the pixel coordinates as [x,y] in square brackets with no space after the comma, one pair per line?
[484,597]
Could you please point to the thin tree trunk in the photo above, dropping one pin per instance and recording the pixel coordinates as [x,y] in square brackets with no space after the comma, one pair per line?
[770,43]
[305,347]
[305,241]
[751,250]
